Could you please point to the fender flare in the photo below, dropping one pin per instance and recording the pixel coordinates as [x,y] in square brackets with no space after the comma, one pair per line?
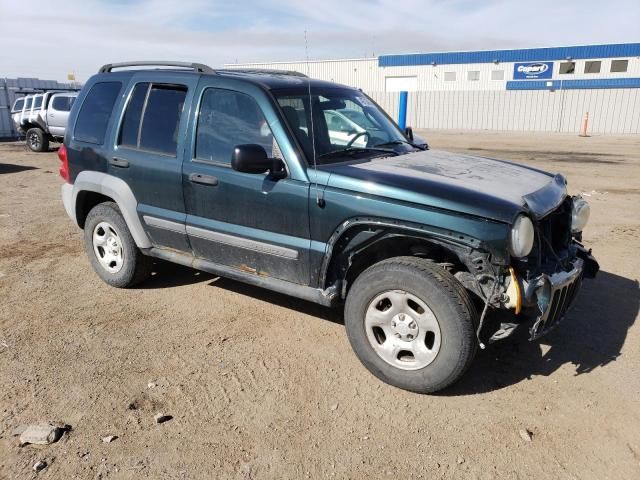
[119,191]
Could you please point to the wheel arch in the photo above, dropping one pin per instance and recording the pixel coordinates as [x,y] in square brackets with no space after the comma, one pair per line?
[26,126]
[92,188]
[362,242]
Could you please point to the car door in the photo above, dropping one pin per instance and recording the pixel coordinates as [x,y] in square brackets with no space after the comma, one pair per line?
[252,222]
[58,113]
[148,152]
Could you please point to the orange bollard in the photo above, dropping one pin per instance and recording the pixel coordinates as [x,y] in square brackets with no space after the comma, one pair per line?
[585,125]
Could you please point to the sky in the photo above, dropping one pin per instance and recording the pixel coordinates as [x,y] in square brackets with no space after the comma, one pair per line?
[48,40]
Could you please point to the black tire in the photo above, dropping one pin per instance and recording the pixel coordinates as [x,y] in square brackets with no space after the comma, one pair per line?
[447,299]
[135,266]
[37,141]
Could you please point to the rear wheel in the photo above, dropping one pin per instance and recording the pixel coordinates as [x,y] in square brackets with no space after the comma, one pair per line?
[111,249]
[37,141]
[411,323]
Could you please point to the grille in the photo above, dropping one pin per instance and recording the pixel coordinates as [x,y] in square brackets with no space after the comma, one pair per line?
[562,299]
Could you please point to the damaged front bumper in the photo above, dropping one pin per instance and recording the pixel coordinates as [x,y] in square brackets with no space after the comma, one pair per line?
[543,300]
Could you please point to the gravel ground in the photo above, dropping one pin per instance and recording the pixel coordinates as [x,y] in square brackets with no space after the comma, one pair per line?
[260,385]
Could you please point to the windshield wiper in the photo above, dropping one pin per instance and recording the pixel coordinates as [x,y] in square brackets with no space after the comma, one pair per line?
[398,142]
[352,150]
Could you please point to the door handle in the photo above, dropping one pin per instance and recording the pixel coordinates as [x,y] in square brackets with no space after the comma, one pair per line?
[203,179]
[118,162]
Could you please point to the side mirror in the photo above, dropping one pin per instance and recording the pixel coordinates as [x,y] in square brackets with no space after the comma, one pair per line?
[408,132]
[252,158]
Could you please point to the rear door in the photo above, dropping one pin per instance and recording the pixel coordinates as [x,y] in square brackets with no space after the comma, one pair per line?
[148,152]
[58,113]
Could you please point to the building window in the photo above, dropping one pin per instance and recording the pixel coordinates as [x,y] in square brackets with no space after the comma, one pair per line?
[567,68]
[449,76]
[497,74]
[592,66]
[619,65]
[401,84]
[473,75]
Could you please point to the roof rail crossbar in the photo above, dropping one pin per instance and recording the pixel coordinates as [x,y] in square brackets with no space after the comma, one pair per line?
[196,67]
[269,71]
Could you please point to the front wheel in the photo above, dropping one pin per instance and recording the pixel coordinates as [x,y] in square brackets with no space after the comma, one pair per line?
[411,323]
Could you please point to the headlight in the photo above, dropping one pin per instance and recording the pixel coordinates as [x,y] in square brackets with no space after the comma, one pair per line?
[579,214]
[522,235]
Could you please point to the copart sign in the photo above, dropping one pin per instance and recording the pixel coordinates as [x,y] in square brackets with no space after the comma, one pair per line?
[532,70]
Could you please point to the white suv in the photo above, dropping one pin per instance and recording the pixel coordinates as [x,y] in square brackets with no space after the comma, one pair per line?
[43,117]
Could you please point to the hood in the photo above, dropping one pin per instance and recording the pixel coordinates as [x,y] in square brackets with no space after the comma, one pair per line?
[479,186]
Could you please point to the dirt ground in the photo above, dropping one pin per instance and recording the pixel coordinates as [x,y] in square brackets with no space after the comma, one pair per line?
[260,385]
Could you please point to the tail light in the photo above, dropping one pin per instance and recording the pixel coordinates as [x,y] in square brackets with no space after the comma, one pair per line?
[64,163]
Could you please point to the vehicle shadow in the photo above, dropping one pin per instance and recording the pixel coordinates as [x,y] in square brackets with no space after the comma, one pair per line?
[591,336]
[11,168]
[169,275]
[333,315]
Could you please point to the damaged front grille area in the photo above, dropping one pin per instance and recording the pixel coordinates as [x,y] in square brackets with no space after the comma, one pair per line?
[552,248]
[555,297]
[553,236]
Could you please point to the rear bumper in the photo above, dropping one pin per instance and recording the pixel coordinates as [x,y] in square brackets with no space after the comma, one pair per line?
[68,201]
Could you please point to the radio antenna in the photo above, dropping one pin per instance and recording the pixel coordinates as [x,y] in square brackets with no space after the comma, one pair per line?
[312,130]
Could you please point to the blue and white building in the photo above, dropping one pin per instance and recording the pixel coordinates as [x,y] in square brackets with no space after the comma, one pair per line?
[537,89]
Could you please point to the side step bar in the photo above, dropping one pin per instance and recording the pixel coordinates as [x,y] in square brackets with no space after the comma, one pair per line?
[328,297]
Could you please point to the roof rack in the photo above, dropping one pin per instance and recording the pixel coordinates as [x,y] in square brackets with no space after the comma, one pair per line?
[196,67]
[268,71]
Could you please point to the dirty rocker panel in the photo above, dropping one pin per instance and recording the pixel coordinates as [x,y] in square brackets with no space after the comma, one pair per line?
[326,297]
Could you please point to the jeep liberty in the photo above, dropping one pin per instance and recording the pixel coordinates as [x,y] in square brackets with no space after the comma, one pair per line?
[308,188]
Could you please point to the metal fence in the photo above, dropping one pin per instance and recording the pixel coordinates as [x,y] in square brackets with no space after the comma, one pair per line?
[12,88]
[611,111]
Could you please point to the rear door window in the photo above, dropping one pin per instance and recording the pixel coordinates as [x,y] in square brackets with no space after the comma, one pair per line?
[93,118]
[131,122]
[62,103]
[37,102]
[28,103]
[152,118]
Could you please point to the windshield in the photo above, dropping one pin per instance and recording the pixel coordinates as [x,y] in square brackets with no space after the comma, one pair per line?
[346,123]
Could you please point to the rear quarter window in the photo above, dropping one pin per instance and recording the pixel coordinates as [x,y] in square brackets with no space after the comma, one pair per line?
[94,115]
[17,107]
